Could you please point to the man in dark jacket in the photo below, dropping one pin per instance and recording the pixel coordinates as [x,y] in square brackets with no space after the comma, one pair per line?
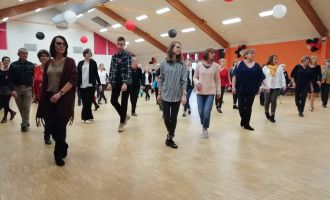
[136,84]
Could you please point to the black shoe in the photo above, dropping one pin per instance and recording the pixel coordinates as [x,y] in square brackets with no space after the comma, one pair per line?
[242,123]
[301,114]
[189,112]
[324,106]
[59,162]
[96,107]
[134,114]
[267,116]
[219,110]
[171,143]
[272,118]
[65,152]
[248,127]
[24,129]
[48,141]
[235,107]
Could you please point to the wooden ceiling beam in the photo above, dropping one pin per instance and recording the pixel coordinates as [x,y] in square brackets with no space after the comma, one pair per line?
[309,11]
[201,23]
[146,36]
[28,7]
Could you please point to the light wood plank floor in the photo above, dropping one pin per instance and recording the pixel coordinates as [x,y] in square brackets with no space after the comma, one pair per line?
[285,160]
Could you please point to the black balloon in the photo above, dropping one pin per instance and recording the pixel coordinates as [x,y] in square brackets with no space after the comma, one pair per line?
[236,51]
[243,46]
[172,33]
[40,35]
[316,40]
[308,41]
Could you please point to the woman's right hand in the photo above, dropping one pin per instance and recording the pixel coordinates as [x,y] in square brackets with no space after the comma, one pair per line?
[198,87]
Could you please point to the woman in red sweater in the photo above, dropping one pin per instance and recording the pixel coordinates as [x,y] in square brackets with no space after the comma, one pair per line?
[225,82]
[43,56]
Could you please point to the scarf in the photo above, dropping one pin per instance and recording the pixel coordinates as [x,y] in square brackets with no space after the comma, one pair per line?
[272,69]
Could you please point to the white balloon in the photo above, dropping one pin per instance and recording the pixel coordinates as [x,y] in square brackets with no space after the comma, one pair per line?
[279,11]
[70,16]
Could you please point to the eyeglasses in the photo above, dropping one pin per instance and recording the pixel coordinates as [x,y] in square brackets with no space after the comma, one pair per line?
[60,44]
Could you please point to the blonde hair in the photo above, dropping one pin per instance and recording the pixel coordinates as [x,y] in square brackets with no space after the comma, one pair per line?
[247,51]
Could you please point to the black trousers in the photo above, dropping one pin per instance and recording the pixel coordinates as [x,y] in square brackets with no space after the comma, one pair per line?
[4,102]
[300,97]
[120,108]
[101,94]
[78,96]
[218,102]
[87,95]
[146,90]
[245,103]
[170,111]
[134,95]
[56,125]
[234,99]
[324,93]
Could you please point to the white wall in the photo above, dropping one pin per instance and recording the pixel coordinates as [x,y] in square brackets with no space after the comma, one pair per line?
[24,30]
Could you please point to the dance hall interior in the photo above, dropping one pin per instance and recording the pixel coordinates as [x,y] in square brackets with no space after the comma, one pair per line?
[164,99]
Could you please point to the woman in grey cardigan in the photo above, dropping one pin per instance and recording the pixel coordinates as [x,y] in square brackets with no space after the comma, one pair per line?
[172,88]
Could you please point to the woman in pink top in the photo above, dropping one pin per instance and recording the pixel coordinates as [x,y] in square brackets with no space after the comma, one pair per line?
[225,82]
[207,83]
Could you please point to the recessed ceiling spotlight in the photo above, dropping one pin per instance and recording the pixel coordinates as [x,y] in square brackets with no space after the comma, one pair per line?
[222,31]
[139,40]
[91,10]
[115,26]
[80,15]
[20,0]
[142,17]
[231,21]
[163,10]
[164,35]
[38,10]
[188,30]
[103,30]
[266,13]
[5,19]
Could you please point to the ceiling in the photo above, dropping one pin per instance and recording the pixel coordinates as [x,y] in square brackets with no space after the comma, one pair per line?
[251,30]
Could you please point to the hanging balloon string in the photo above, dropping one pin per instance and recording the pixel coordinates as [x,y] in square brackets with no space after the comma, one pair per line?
[150,13]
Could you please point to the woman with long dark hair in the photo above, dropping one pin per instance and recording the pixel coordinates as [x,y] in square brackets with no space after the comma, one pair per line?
[56,106]
[247,79]
[276,82]
[172,88]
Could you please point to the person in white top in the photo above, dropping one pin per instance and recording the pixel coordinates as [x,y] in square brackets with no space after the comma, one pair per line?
[103,78]
[276,82]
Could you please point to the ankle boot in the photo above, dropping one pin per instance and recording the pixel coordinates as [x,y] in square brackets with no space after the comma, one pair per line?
[267,115]
[272,118]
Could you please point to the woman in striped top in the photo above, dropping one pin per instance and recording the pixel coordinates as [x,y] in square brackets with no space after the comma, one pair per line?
[172,88]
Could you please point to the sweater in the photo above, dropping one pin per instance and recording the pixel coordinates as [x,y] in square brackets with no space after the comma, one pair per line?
[208,78]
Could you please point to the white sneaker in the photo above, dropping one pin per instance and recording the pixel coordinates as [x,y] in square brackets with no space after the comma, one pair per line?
[205,134]
[87,121]
[121,127]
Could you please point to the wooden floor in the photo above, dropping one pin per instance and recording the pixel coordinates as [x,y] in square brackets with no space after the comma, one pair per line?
[285,160]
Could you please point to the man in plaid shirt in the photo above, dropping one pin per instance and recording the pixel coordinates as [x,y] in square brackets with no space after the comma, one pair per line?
[120,79]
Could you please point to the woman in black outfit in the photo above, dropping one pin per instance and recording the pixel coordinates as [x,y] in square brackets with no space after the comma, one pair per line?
[146,82]
[87,77]
[316,81]
[5,90]
[248,77]
[301,79]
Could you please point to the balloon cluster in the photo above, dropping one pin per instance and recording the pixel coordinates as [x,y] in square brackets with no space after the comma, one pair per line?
[239,49]
[313,44]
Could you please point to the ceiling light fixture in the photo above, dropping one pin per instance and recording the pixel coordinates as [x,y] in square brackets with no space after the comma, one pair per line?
[91,10]
[164,35]
[231,21]
[103,30]
[139,40]
[266,13]
[115,26]
[163,10]
[80,15]
[37,10]
[142,17]
[20,0]
[5,19]
[188,30]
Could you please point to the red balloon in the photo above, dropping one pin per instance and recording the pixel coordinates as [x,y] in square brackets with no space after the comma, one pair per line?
[318,45]
[130,25]
[228,0]
[312,45]
[83,39]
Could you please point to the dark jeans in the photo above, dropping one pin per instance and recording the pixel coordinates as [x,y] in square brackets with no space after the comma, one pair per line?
[156,94]
[170,111]
[271,98]
[56,125]
[146,90]
[134,95]
[87,95]
[78,96]
[245,103]
[187,105]
[324,93]
[300,97]
[101,94]
[120,108]
[218,102]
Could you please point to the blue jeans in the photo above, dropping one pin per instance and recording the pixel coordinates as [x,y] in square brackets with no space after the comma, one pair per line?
[205,103]
[187,105]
